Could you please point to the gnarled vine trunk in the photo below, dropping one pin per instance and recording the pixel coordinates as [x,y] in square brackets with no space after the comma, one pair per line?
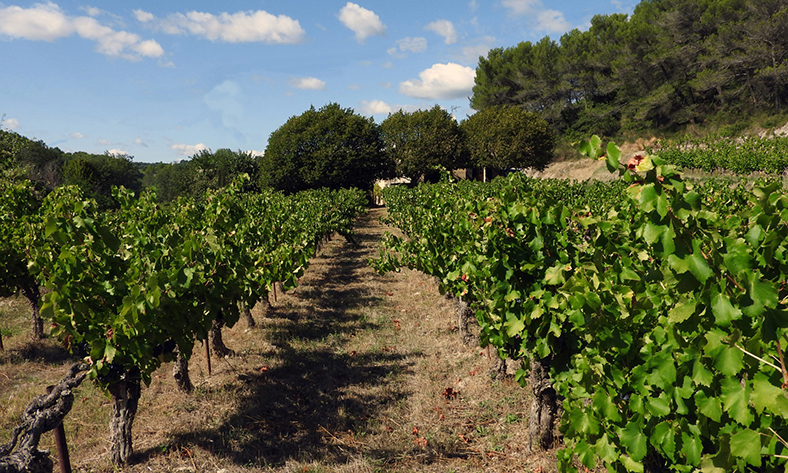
[30,290]
[247,312]
[43,414]
[180,371]
[125,399]
[217,343]
[464,316]
[544,408]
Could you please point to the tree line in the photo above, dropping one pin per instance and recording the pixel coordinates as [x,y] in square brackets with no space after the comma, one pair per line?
[331,147]
[672,63]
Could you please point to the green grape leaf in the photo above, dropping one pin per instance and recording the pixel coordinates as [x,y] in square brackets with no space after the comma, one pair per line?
[634,440]
[682,311]
[631,465]
[613,157]
[663,436]
[766,396]
[746,444]
[605,450]
[692,447]
[710,407]
[735,400]
[724,312]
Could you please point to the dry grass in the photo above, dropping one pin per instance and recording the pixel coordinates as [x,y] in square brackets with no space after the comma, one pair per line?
[350,372]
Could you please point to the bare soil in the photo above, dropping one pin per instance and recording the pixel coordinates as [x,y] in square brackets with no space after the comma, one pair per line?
[350,372]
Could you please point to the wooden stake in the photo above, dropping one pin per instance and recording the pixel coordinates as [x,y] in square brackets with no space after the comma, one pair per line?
[208,355]
[60,442]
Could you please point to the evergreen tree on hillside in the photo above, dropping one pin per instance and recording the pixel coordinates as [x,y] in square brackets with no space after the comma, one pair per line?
[671,63]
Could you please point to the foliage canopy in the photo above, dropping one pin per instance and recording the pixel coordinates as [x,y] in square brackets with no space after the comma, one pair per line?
[509,137]
[418,142]
[670,64]
[329,147]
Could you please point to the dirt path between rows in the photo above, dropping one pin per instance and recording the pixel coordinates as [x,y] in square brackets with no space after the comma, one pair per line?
[350,372]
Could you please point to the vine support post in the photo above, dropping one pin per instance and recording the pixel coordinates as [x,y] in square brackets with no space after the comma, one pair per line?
[59,432]
[207,355]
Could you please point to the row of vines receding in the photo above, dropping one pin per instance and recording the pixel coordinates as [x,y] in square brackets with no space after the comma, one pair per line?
[658,305]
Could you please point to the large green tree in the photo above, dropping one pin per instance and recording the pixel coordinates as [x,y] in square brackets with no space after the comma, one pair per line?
[329,147]
[670,64]
[509,137]
[417,142]
[97,174]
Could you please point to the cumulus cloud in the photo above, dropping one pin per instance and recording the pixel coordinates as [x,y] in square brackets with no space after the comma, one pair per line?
[363,22]
[10,123]
[241,27]
[46,22]
[77,135]
[542,18]
[413,45]
[139,142]
[443,28]
[374,107]
[188,150]
[441,81]
[307,83]
[117,152]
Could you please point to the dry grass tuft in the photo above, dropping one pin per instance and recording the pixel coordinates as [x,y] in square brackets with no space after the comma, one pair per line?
[350,372]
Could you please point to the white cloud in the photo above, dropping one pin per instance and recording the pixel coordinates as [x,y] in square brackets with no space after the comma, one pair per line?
[140,142]
[353,87]
[441,81]
[143,16]
[10,123]
[42,22]
[77,135]
[541,18]
[93,11]
[363,22]
[117,152]
[443,28]
[414,45]
[104,142]
[552,21]
[188,150]
[473,5]
[241,27]
[374,107]
[255,153]
[307,83]
[470,54]
[46,22]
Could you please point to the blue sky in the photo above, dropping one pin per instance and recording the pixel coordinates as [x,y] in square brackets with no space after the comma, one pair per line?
[162,80]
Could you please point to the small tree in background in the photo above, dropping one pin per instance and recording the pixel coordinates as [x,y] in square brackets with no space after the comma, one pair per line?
[418,142]
[508,137]
[330,147]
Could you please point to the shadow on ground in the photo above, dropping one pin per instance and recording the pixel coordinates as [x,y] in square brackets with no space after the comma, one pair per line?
[318,401]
